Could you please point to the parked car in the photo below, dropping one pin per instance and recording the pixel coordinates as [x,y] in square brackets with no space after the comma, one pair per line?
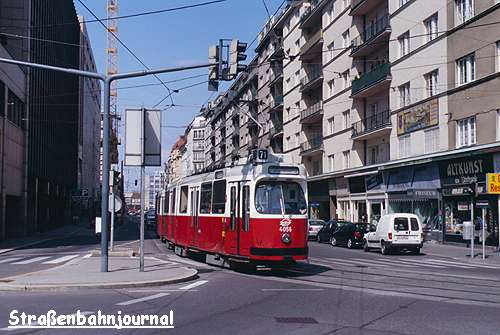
[349,235]
[314,226]
[326,232]
[395,232]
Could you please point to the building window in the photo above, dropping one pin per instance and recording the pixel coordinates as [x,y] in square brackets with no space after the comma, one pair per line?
[330,51]
[331,163]
[466,132]
[404,146]
[346,159]
[404,44]
[288,142]
[331,88]
[431,140]
[297,140]
[345,39]
[331,125]
[431,27]
[297,47]
[466,69]
[345,79]
[404,95]
[431,83]
[346,118]
[403,2]
[296,78]
[464,10]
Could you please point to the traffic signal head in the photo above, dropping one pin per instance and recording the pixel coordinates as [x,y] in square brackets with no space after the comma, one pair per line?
[213,70]
[116,178]
[236,54]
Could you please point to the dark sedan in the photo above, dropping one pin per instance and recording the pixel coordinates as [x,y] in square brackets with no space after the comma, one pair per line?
[326,232]
[349,235]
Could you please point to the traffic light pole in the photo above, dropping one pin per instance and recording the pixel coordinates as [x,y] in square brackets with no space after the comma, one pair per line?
[107,80]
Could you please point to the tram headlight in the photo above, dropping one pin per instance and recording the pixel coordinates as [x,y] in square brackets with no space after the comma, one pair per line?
[286,238]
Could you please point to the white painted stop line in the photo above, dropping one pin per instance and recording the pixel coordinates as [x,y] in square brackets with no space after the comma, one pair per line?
[193,285]
[60,259]
[31,260]
[134,301]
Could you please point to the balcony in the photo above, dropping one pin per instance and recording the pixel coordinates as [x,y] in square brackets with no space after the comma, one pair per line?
[372,82]
[371,38]
[312,15]
[312,114]
[363,7]
[312,146]
[372,126]
[312,48]
[276,130]
[278,52]
[198,146]
[312,79]
[276,76]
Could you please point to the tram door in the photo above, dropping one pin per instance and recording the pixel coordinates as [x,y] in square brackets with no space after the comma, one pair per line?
[245,227]
[195,222]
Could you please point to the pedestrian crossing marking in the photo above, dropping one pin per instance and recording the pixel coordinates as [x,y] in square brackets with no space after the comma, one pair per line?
[12,259]
[418,263]
[387,262]
[31,260]
[60,259]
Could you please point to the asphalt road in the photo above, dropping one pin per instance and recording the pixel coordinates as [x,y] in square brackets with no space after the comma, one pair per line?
[339,291]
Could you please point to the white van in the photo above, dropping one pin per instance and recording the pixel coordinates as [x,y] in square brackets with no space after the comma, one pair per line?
[395,232]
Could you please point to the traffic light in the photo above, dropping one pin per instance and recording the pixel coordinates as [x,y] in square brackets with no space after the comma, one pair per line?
[213,70]
[236,54]
[116,178]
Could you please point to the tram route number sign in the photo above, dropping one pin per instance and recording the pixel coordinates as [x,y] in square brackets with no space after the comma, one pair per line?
[493,183]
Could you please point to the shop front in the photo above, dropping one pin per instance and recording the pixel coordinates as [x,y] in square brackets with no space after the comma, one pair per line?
[415,189]
[319,200]
[465,198]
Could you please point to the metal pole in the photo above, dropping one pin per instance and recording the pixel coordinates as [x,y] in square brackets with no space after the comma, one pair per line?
[141,244]
[498,231]
[105,176]
[483,232]
[473,228]
[112,237]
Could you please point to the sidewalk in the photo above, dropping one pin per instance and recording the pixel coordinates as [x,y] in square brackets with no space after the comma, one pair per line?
[462,252]
[22,242]
[84,273]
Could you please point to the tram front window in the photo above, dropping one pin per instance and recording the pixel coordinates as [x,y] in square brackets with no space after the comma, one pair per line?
[280,197]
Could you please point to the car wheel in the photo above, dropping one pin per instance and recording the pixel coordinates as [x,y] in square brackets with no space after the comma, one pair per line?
[416,251]
[333,241]
[366,248]
[384,248]
[349,244]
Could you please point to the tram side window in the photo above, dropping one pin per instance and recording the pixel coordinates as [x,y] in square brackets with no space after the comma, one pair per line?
[183,206]
[233,208]
[206,198]
[166,203]
[173,201]
[219,197]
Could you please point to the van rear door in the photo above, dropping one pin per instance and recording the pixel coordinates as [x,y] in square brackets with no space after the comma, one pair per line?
[401,230]
[415,234]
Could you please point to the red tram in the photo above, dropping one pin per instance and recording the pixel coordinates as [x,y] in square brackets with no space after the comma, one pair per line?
[251,213]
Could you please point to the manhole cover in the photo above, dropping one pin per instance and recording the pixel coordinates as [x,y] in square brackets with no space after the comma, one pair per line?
[295,320]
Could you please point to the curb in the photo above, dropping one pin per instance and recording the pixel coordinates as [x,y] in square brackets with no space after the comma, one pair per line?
[193,274]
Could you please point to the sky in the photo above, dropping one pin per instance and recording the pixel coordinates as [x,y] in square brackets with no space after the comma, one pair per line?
[171,39]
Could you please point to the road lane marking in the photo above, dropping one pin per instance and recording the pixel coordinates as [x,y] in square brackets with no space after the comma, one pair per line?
[159,291]
[193,285]
[134,301]
[351,262]
[7,260]
[464,265]
[60,259]
[31,260]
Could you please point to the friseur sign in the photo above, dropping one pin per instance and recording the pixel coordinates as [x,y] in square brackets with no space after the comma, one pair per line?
[418,117]
[467,170]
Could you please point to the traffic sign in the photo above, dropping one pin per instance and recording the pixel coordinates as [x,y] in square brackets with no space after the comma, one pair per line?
[493,181]
[118,203]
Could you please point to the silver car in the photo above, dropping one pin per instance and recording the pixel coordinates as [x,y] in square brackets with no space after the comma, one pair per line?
[314,226]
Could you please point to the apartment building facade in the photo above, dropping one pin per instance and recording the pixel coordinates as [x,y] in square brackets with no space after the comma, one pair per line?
[194,156]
